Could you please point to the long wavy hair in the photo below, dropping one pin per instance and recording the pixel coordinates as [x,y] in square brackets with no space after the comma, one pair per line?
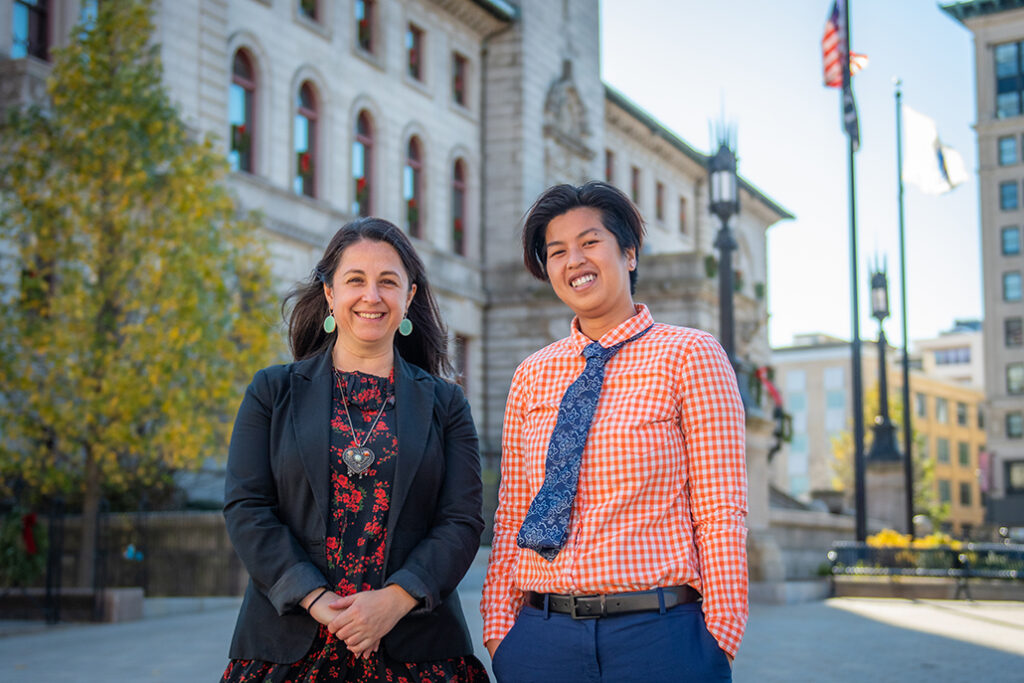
[426,347]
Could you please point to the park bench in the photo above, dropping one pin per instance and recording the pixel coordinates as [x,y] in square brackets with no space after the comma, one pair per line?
[994,561]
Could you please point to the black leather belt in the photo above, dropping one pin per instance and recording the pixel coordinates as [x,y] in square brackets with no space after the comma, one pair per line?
[594,606]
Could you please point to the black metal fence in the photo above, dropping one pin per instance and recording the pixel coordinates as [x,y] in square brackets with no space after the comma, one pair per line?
[970,560]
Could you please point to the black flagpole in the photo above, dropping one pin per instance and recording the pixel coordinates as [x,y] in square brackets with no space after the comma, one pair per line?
[908,463]
[850,121]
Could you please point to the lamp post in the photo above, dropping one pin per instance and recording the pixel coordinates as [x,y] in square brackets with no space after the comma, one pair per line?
[723,189]
[883,448]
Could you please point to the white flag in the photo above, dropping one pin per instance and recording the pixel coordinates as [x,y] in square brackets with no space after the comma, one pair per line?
[928,164]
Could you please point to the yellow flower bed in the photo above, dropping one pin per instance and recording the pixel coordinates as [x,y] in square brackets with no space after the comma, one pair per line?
[889,538]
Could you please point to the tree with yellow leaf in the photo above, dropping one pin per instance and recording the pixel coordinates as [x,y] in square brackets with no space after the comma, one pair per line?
[135,301]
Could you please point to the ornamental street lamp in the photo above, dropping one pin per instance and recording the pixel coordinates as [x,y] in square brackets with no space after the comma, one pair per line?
[883,448]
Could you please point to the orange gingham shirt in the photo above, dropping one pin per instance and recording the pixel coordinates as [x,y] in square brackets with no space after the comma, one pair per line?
[662,490]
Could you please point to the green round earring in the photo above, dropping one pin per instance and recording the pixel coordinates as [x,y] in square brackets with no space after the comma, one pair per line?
[329,323]
[405,327]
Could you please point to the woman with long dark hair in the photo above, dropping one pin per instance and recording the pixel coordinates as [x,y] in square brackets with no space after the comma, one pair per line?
[353,488]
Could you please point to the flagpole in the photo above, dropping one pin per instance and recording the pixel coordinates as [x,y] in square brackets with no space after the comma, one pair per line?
[858,397]
[908,463]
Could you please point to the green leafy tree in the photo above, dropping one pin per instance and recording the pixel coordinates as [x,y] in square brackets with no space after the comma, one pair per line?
[135,301]
[842,463]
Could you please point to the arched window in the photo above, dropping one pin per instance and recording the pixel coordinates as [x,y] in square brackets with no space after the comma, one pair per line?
[412,184]
[31,24]
[362,165]
[241,98]
[459,207]
[306,116]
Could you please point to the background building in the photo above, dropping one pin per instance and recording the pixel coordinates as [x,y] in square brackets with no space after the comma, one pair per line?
[998,30]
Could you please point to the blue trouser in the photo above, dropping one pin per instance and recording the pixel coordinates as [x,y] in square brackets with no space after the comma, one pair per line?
[673,645]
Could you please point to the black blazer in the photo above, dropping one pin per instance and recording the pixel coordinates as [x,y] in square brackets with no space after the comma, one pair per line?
[276,504]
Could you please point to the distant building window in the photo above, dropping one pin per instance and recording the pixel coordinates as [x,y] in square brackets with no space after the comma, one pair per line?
[941,411]
[954,356]
[1010,240]
[362,166]
[1009,80]
[241,97]
[310,9]
[961,414]
[796,380]
[365,12]
[945,493]
[1015,425]
[1008,197]
[1015,476]
[31,29]
[609,166]
[461,358]
[634,185]
[460,72]
[1011,286]
[963,454]
[306,121]
[459,207]
[682,215]
[659,201]
[412,187]
[965,494]
[1007,150]
[834,378]
[835,399]
[921,404]
[1015,378]
[942,450]
[414,51]
[1013,329]
[981,418]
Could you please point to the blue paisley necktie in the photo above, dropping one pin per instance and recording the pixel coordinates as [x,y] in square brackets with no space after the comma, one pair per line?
[546,526]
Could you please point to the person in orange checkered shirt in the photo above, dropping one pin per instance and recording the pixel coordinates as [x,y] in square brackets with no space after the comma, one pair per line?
[619,546]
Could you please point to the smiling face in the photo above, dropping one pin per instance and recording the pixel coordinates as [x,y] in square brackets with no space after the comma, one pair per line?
[369,295]
[589,271]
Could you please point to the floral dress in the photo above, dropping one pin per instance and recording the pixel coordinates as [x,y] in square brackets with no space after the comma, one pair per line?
[355,547]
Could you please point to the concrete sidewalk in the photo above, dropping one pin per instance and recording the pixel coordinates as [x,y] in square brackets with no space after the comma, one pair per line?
[842,639]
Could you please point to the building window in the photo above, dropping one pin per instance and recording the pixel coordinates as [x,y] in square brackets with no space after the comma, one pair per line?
[981,417]
[414,51]
[1013,332]
[682,215]
[412,187]
[944,491]
[365,19]
[1007,150]
[921,404]
[241,98]
[1015,476]
[1009,81]
[460,69]
[362,166]
[461,358]
[965,494]
[310,9]
[1015,378]
[961,414]
[1008,199]
[306,117]
[659,201]
[1010,239]
[609,166]
[1015,425]
[941,411]
[1011,286]
[459,207]
[954,356]
[90,10]
[634,184]
[963,454]
[31,29]
[942,450]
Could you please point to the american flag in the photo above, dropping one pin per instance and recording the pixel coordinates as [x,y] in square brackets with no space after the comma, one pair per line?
[833,44]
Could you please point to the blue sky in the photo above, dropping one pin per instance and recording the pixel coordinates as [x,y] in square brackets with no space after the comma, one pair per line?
[683,60]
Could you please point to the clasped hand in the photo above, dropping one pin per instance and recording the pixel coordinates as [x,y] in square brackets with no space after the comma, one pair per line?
[362,619]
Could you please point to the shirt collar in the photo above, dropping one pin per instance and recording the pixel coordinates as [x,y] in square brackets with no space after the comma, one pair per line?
[623,331]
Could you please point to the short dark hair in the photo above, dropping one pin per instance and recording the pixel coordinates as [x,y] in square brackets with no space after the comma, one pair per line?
[426,346]
[619,216]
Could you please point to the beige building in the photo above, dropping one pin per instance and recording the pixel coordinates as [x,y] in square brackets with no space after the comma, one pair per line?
[998,30]
[814,377]
[955,356]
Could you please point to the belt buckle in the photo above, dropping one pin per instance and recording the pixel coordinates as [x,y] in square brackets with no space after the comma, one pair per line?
[575,603]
